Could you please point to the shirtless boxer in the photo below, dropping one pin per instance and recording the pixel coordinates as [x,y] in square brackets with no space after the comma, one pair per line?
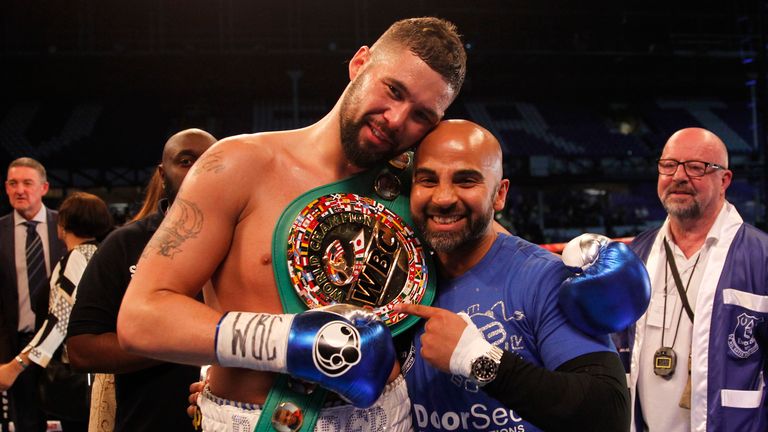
[221,225]
[551,376]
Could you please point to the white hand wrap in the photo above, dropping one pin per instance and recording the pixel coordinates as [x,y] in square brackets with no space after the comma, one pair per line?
[251,340]
[472,344]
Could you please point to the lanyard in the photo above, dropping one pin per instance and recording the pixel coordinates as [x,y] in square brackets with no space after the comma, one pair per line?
[678,282]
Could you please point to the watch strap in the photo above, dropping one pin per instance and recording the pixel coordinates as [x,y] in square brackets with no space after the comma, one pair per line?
[494,355]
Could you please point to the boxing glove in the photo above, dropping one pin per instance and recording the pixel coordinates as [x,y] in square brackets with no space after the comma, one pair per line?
[343,348]
[610,289]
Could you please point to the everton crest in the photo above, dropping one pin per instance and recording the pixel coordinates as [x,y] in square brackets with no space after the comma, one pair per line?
[742,341]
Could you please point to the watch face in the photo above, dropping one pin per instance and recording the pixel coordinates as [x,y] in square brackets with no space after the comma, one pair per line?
[484,369]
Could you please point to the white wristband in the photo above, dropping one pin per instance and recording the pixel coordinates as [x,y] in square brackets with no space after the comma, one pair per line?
[252,340]
[472,344]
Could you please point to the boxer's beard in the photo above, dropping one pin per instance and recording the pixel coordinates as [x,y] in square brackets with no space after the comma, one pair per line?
[356,152]
[447,241]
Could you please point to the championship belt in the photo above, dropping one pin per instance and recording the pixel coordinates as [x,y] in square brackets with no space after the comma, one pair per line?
[352,242]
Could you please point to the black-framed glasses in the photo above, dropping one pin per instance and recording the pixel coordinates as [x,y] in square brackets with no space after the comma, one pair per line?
[693,168]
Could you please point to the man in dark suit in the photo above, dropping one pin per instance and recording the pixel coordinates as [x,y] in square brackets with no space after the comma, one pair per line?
[23,294]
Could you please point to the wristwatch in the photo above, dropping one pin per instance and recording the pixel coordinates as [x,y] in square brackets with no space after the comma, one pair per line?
[485,367]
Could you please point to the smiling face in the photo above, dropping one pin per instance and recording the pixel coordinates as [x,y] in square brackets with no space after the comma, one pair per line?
[690,198]
[393,100]
[457,187]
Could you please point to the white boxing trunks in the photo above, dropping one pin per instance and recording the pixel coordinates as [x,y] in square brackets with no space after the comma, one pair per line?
[391,412]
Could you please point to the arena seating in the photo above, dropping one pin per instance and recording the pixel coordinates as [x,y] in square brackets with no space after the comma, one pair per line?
[78,140]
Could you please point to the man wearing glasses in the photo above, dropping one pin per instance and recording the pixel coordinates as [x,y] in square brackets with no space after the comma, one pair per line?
[699,351]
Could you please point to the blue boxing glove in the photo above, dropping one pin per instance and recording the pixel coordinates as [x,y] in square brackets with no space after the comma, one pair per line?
[610,289]
[343,348]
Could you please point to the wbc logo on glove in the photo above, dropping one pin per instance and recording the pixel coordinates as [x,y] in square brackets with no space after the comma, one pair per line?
[336,348]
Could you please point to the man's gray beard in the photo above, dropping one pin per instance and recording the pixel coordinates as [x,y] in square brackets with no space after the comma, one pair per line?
[692,211]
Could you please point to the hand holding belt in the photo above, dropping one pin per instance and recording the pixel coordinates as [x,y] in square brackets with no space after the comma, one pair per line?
[348,230]
[352,242]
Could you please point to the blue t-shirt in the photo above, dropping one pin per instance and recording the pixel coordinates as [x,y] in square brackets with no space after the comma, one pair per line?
[511,295]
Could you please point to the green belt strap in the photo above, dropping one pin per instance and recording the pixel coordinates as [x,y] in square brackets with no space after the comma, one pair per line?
[279,393]
[361,184]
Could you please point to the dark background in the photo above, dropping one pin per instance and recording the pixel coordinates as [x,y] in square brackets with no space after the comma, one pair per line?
[94,88]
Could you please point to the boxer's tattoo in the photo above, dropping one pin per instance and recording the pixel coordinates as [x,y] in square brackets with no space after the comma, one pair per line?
[261,349]
[184,222]
[209,162]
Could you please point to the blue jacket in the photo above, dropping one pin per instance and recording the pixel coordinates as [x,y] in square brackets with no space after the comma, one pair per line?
[730,332]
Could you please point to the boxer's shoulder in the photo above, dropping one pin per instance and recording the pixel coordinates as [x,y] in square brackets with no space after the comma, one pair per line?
[239,151]
[274,140]
[239,160]
[258,154]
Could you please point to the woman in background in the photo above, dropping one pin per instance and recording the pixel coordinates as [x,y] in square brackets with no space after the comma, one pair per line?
[83,218]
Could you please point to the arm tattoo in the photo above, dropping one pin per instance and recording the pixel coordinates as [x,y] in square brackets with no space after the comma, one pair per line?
[184,221]
[210,162]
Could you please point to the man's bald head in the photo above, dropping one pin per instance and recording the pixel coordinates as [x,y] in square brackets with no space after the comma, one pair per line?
[180,152]
[457,187]
[705,143]
[186,138]
[463,136]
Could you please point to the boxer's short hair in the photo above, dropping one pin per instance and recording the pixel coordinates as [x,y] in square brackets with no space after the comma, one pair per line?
[435,41]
